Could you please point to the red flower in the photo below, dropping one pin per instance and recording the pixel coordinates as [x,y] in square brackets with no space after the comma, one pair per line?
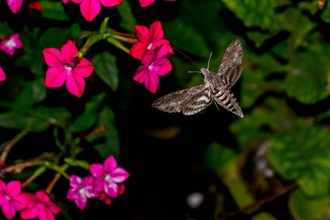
[145,3]
[91,8]
[35,6]
[149,40]
[154,64]
[2,75]
[39,205]
[62,69]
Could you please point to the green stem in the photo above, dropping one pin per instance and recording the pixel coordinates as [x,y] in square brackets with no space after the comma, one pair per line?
[10,145]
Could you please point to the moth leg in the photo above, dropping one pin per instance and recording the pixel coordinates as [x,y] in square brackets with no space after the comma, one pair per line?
[216,105]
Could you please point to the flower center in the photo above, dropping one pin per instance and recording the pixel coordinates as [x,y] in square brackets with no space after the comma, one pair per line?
[10,43]
[106,176]
[7,197]
[68,66]
[149,46]
[81,190]
[150,66]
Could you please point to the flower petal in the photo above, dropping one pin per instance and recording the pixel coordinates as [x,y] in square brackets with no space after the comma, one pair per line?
[87,181]
[109,3]
[84,68]
[15,5]
[65,1]
[98,184]
[75,84]
[162,52]
[3,187]
[31,212]
[90,8]
[77,1]
[72,194]
[13,188]
[45,214]
[75,181]
[15,38]
[8,210]
[119,175]
[81,202]
[42,196]
[55,77]
[4,47]
[156,31]
[160,43]
[51,206]
[152,81]
[111,189]
[148,57]
[138,49]
[19,203]
[162,67]
[29,198]
[110,164]
[145,3]
[53,57]
[141,74]
[3,199]
[69,50]
[142,33]
[96,170]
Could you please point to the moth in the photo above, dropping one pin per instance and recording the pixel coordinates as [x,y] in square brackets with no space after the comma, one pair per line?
[216,86]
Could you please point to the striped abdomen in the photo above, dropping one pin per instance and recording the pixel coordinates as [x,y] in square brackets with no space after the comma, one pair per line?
[225,98]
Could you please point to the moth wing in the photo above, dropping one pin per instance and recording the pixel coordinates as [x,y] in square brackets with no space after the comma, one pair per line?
[190,101]
[231,59]
[231,78]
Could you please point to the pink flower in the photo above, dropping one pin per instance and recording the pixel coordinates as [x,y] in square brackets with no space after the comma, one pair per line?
[15,5]
[91,8]
[2,75]
[81,190]
[62,68]
[105,198]
[122,188]
[65,1]
[10,44]
[10,198]
[108,176]
[39,205]
[154,64]
[149,40]
[145,3]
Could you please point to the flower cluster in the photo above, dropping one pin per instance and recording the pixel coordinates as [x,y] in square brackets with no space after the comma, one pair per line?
[32,206]
[105,178]
[145,3]
[152,50]
[64,69]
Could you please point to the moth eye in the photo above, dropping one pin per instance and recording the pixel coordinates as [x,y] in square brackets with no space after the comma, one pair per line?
[203,74]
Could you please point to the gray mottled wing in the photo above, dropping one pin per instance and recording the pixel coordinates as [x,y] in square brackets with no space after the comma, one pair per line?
[231,59]
[190,101]
[231,78]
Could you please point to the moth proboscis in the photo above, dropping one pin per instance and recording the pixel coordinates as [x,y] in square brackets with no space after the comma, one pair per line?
[216,86]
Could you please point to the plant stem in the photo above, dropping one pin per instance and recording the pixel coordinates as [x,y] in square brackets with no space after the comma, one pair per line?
[11,144]
[261,202]
[57,176]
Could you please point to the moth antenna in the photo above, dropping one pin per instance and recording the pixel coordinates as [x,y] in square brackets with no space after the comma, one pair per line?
[208,64]
[187,57]
[194,71]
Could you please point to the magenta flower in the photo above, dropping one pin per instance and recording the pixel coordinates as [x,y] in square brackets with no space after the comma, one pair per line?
[15,5]
[81,190]
[105,198]
[149,40]
[122,188]
[145,3]
[108,176]
[91,8]
[10,198]
[62,69]
[10,44]
[39,205]
[65,1]
[154,64]
[2,75]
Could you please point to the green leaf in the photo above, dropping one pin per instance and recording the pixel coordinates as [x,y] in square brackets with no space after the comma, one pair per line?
[326,13]
[109,146]
[53,10]
[5,29]
[89,116]
[258,13]
[302,153]
[310,6]
[304,27]
[263,216]
[304,208]
[127,18]
[52,38]
[186,38]
[259,38]
[75,30]
[33,92]
[104,25]
[106,69]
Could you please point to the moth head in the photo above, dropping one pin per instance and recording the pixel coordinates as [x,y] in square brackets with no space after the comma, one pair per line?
[204,72]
